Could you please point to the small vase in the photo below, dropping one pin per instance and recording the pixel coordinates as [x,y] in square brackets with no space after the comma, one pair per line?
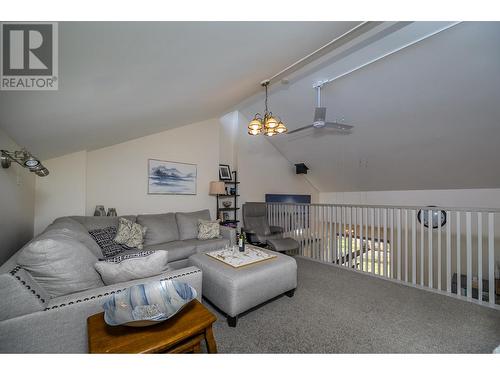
[111,211]
[99,211]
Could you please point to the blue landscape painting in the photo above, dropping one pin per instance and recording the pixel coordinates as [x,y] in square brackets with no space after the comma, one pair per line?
[168,177]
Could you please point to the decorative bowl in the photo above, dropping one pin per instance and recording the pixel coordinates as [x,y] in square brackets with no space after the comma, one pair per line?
[147,304]
[226,204]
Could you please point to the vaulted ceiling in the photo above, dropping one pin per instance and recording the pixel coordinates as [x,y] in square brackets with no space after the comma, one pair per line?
[426,117]
[123,80]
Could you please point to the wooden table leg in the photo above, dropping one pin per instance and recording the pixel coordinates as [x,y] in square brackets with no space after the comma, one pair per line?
[197,348]
[210,340]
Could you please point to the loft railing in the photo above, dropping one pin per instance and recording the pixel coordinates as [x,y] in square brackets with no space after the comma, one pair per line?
[448,250]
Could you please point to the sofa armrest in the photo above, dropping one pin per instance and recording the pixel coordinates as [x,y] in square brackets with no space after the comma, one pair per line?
[62,326]
[20,294]
[228,233]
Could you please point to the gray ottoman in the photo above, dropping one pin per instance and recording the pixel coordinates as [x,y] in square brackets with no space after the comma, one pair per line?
[236,290]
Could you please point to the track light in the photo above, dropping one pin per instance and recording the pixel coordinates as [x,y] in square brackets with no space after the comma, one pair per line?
[24,159]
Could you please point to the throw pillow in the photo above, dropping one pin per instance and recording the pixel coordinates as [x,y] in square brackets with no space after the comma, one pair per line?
[130,234]
[105,239]
[132,266]
[187,222]
[60,264]
[208,229]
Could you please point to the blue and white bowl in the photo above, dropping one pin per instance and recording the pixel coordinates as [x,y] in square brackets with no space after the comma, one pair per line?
[147,304]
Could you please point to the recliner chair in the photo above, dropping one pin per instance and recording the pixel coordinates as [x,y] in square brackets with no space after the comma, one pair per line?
[258,231]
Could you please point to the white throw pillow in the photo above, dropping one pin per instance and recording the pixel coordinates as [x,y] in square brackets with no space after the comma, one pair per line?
[132,266]
[59,263]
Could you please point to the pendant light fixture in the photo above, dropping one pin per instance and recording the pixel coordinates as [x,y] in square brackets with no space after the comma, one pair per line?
[267,125]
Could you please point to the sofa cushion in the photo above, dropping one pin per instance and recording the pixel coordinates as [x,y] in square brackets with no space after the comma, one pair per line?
[78,231]
[176,249]
[105,238]
[132,266]
[99,222]
[60,264]
[202,246]
[161,228]
[187,222]
[130,234]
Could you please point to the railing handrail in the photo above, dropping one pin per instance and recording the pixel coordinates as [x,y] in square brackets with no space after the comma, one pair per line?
[434,208]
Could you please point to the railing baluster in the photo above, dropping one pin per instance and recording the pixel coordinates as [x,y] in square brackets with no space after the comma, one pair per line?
[448,253]
[399,243]
[430,253]
[414,247]
[372,248]
[391,244]
[355,250]
[323,234]
[361,242]
[439,250]
[459,250]
[422,214]
[406,245]
[379,242]
[468,229]
[349,245]
[491,258]
[480,255]
[385,241]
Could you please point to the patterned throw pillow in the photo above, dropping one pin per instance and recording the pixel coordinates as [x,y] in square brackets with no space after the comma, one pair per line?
[208,229]
[121,257]
[130,234]
[104,238]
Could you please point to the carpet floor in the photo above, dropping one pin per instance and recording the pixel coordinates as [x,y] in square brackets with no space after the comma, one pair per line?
[339,311]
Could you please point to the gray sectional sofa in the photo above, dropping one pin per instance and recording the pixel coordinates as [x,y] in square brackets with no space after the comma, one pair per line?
[32,321]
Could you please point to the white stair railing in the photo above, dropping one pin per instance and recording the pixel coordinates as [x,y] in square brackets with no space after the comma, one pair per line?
[459,258]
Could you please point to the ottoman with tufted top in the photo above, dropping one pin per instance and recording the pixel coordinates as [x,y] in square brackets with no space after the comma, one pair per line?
[236,290]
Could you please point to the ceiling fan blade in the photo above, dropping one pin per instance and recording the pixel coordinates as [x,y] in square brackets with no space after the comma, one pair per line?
[338,126]
[300,129]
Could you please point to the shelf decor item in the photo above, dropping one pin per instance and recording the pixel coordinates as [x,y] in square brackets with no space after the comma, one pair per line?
[99,211]
[169,177]
[147,304]
[226,204]
[111,211]
[224,172]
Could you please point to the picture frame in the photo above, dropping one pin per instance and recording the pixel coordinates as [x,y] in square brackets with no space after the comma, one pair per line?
[225,172]
[171,177]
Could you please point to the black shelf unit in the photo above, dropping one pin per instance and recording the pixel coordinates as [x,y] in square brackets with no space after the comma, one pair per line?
[234,207]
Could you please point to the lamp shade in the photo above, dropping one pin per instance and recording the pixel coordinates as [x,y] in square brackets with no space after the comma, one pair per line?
[217,187]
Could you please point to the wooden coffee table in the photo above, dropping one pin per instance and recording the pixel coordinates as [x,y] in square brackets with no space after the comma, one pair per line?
[181,334]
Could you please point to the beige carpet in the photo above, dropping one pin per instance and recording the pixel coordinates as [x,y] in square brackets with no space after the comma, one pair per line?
[338,311]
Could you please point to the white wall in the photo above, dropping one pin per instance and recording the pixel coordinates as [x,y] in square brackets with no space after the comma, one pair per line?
[17,202]
[117,175]
[487,198]
[62,192]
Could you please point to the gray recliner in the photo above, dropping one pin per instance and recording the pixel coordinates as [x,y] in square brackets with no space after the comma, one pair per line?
[258,231]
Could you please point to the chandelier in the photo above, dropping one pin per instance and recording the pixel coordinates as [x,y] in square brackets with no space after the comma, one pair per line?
[267,125]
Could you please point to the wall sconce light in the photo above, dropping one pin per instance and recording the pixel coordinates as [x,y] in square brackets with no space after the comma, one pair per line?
[24,159]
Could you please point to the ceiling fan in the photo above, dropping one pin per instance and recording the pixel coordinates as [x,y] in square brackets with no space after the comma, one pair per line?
[320,122]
